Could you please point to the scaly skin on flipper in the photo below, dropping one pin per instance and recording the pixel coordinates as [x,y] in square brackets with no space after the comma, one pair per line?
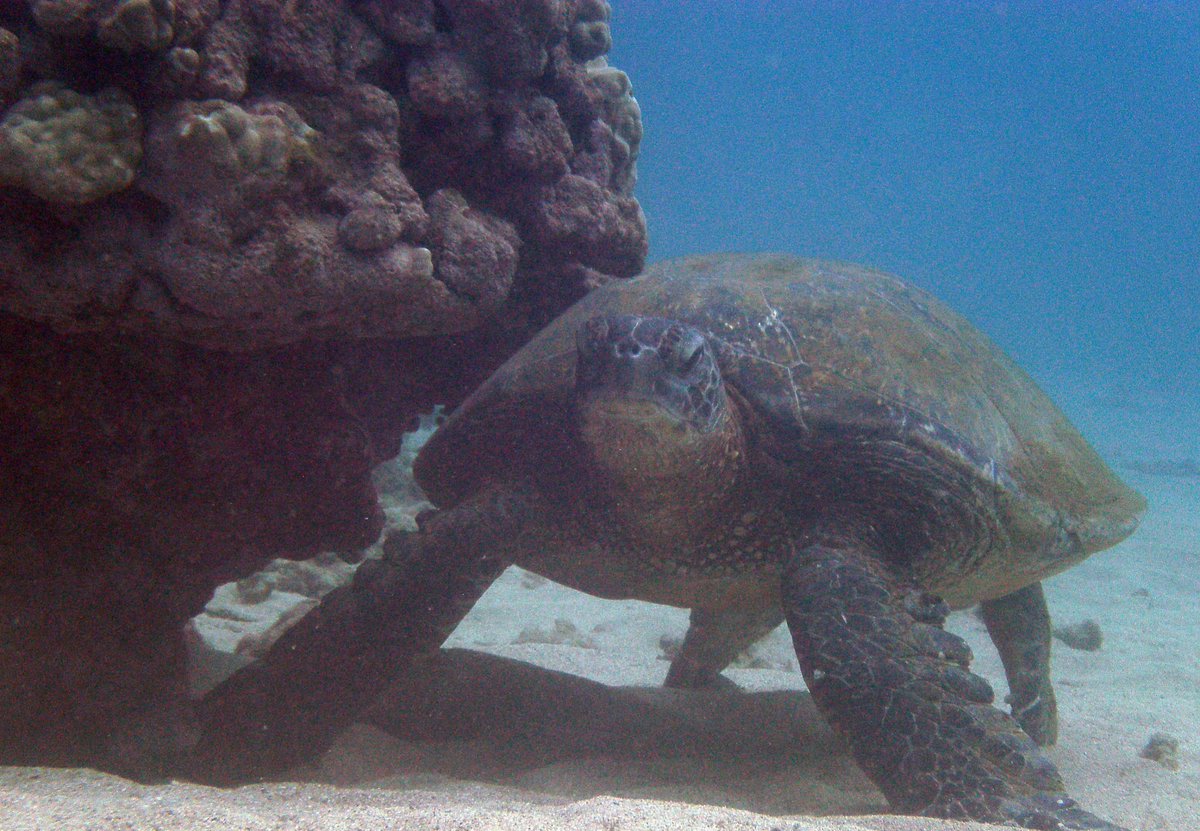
[922,727]
[287,708]
[714,638]
[1019,625]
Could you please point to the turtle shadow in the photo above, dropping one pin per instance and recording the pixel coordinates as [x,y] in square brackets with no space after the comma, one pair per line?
[472,716]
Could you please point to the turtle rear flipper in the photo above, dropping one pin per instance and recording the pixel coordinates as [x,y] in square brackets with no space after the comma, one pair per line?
[896,686]
[715,637]
[288,707]
[1019,624]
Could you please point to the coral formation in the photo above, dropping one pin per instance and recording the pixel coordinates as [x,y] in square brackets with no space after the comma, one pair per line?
[1162,748]
[244,243]
[590,36]
[1085,635]
[10,63]
[138,24]
[476,251]
[218,139]
[622,125]
[70,148]
[317,165]
[66,18]
[126,25]
[564,633]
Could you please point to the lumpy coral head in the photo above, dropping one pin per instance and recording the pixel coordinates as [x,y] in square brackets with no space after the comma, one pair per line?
[70,148]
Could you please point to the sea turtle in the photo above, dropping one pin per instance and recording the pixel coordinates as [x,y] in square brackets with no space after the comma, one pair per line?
[747,434]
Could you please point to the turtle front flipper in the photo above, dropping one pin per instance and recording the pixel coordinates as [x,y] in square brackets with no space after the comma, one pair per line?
[714,638]
[288,707]
[1019,624]
[896,686]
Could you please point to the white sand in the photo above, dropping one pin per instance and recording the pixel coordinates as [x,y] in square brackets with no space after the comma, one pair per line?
[49,800]
[510,746]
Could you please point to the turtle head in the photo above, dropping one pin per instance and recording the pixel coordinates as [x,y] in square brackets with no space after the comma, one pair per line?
[650,368]
[655,421]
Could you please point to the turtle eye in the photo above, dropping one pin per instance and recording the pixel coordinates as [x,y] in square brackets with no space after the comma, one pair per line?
[689,362]
[686,350]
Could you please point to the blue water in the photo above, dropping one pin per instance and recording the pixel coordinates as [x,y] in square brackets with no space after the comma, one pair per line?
[1037,165]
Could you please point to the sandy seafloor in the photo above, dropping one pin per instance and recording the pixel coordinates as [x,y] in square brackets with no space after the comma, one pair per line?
[489,744]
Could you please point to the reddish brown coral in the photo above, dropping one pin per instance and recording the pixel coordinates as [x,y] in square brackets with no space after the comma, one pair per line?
[494,105]
[345,212]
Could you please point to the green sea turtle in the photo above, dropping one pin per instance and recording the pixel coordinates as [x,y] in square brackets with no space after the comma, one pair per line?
[751,435]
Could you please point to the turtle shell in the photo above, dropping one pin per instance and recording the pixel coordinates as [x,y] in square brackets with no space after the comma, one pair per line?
[832,358]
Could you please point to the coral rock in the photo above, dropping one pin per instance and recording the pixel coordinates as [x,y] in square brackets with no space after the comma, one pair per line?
[534,139]
[139,24]
[10,63]
[70,148]
[406,22]
[225,57]
[68,18]
[623,119]
[509,37]
[370,227]
[476,252]
[606,233]
[442,84]
[1162,748]
[339,215]
[590,36]
[193,17]
[217,139]
[1085,635]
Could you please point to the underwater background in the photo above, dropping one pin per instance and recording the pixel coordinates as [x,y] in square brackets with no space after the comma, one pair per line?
[1033,164]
